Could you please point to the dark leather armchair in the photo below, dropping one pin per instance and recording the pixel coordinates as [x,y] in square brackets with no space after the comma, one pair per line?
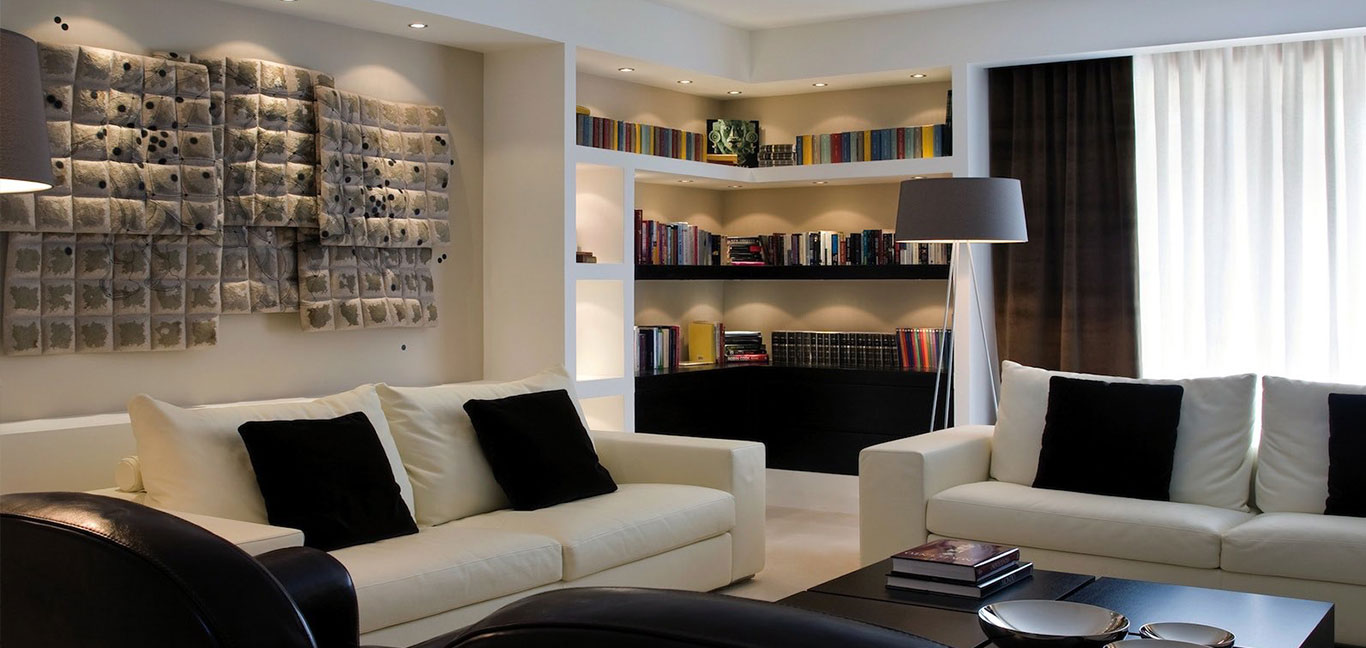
[91,571]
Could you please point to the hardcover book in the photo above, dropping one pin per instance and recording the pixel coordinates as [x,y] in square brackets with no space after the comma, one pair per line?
[960,560]
[1003,578]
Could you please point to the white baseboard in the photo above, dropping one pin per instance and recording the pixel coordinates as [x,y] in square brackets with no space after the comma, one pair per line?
[813,491]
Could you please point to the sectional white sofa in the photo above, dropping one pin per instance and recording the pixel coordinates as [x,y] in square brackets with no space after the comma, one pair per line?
[688,513]
[1244,515]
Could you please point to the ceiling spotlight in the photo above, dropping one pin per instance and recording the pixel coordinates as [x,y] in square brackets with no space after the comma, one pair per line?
[735,186]
[413,25]
[686,181]
[918,178]
[626,69]
[734,92]
[918,75]
[819,182]
[820,85]
[685,81]
[286,0]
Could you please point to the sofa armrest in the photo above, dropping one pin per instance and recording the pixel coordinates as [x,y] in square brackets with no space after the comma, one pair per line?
[897,479]
[736,467]
[253,538]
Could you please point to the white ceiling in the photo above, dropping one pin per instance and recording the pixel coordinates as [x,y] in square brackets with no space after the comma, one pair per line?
[767,14]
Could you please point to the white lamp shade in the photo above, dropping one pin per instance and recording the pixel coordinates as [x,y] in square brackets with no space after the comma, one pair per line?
[971,210]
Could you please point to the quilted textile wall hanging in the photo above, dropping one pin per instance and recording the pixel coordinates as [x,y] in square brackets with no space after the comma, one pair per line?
[190,187]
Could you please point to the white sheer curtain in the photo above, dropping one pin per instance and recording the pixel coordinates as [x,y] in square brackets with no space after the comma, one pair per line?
[1251,169]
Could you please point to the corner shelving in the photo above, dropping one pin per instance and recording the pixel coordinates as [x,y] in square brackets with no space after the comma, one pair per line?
[652,168]
[789,273]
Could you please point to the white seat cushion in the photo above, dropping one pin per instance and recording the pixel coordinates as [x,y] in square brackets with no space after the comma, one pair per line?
[1211,464]
[1307,546]
[637,521]
[1099,525]
[193,460]
[444,568]
[436,440]
[1292,458]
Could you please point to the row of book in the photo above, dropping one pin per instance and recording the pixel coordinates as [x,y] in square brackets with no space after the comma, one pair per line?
[873,145]
[685,244]
[657,347]
[827,248]
[774,155]
[616,135]
[958,568]
[662,347]
[907,348]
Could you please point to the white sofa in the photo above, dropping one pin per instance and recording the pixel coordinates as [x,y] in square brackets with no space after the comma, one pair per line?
[688,513]
[1243,517]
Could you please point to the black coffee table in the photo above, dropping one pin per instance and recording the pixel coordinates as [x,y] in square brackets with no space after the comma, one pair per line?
[1258,621]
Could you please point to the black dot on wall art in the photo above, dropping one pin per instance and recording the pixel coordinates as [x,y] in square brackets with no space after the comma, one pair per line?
[206,175]
[151,105]
[161,73]
[402,347]
[99,134]
[65,27]
[300,175]
[123,108]
[174,55]
[57,19]
[180,99]
[175,124]
[347,179]
[142,186]
[164,134]
[324,234]
[439,259]
[94,94]
[419,242]
[417,212]
[127,66]
[175,178]
[175,150]
[118,151]
[60,164]
[194,140]
[57,104]
[365,145]
[391,286]
[103,184]
[161,161]
[67,250]
[199,226]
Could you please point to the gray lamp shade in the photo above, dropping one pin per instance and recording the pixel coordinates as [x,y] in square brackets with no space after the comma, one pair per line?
[972,210]
[25,159]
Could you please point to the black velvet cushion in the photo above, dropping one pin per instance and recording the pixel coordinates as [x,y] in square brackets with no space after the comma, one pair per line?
[1346,455]
[1109,438]
[328,478]
[538,449]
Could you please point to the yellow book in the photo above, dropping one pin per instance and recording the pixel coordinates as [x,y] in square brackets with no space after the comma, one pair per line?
[806,149]
[867,146]
[616,133]
[702,342]
[927,141]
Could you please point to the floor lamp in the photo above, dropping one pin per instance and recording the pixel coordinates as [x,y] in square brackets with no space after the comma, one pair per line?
[961,211]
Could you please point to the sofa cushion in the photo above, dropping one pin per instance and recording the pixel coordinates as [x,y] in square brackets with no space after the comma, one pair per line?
[1109,438]
[1211,464]
[1292,458]
[538,449]
[450,477]
[1099,525]
[443,568]
[637,521]
[193,460]
[1307,546]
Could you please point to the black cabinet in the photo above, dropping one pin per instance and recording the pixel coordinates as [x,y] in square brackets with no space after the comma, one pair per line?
[810,418]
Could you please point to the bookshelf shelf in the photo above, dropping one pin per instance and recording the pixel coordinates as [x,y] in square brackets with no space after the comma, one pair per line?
[897,374]
[789,273]
[656,169]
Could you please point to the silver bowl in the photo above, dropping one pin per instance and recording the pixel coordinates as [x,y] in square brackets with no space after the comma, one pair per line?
[1196,633]
[1152,643]
[1051,624]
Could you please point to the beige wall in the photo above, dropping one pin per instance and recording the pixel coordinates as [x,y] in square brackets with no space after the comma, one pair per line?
[770,305]
[782,119]
[642,104]
[266,356]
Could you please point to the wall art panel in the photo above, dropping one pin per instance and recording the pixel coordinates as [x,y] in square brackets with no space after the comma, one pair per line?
[346,287]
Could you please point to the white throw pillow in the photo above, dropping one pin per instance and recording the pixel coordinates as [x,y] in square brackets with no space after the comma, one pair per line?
[1292,456]
[1213,439]
[194,461]
[451,478]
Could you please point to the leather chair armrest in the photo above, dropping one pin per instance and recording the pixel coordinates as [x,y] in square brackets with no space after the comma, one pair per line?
[896,480]
[322,590]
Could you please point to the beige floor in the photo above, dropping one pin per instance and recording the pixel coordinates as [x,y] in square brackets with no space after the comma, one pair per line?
[805,548]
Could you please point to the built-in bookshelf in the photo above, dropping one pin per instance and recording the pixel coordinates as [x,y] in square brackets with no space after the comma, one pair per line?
[535,287]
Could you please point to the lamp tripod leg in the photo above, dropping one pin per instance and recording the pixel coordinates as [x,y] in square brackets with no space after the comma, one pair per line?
[945,352]
[982,328]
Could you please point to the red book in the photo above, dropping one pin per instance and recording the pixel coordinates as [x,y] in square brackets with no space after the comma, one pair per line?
[900,143]
[958,560]
[837,147]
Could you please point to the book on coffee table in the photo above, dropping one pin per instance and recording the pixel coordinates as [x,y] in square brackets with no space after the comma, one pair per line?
[1002,578]
[963,561]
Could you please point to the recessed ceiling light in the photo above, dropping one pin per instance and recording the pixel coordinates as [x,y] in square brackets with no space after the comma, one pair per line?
[735,186]
[286,0]
[918,178]
[819,182]
[820,85]
[685,81]
[918,75]
[734,92]
[418,25]
[686,181]
[626,69]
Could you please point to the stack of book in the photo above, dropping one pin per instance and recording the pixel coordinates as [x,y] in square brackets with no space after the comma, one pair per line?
[616,135]
[745,346]
[921,348]
[958,568]
[657,347]
[873,145]
[743,250]
[685,244]
[775,155]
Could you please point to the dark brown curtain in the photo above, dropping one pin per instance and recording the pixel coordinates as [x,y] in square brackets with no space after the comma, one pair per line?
[1067,299]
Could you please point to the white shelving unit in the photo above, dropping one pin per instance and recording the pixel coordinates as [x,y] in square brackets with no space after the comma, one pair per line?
[548,196]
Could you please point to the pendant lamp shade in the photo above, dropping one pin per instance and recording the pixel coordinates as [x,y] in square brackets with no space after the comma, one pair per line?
[25,159]
[970,210]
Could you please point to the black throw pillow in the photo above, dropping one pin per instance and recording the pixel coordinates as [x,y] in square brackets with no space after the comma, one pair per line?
[1346,455]
[538,449]
[1109,438]
[328,478]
